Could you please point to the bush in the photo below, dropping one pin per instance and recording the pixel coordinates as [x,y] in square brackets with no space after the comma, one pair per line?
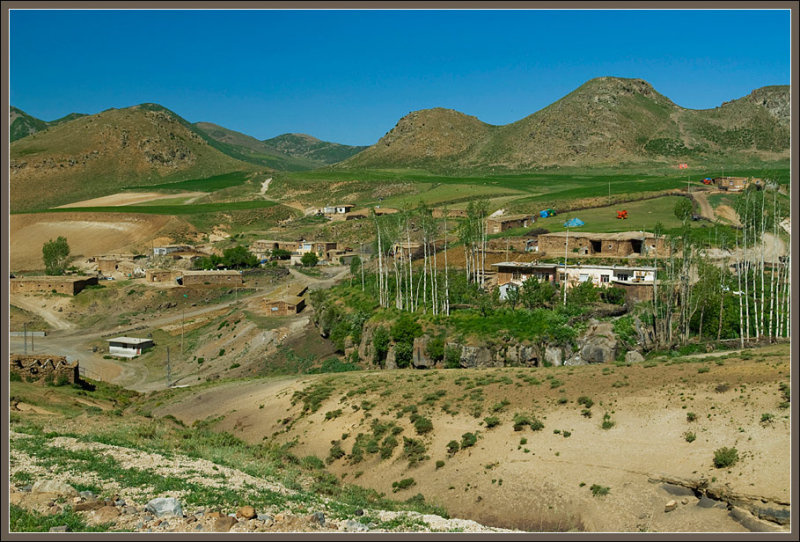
[309,259]
[453,447]
[614,295]
[598,490]
[439,464]
[423,425]
[452,357]
[403,354]
[380,342]
[387,447]
[689,436]
[468,439]
[435,348]
[405,483]
[691,416]
[608,423]
[585,401]
[492,421]
[725,457]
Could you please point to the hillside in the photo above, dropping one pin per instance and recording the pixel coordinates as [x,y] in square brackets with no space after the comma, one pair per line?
[606,121]
[96,155]
[22,125]
[287,152]
[317,152]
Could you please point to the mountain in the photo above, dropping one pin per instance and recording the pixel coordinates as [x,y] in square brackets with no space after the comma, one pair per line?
[95,155]
[318,152]
[289,152]
[22,125]
[606,121]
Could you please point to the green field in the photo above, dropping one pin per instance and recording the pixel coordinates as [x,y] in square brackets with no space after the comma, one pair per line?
[642,215]
[208,184]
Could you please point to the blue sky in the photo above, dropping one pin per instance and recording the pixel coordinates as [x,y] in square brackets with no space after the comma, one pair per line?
[349,75]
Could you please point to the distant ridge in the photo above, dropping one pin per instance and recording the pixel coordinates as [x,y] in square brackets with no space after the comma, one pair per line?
[606,121]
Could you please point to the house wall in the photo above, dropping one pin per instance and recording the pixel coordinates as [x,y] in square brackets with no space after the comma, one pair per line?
[107,266]
[212,279]
[497,226]
[69,286]
[160,275]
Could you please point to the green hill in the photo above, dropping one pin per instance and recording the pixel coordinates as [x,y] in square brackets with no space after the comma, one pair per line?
[22,125]
[96,155]
[287,152]
[607,121]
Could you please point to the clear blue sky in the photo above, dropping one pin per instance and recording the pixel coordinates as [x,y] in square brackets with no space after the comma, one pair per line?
[349,76]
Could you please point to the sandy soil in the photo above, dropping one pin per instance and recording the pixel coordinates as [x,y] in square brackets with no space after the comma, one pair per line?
[543,488]
[130,198]
[88,234]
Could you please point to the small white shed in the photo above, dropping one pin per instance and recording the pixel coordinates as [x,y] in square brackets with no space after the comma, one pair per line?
[128,347]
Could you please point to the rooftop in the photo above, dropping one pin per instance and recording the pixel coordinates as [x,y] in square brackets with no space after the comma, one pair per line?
[129,340]
[526,265]
[613,267]
[621,236]
[55,278]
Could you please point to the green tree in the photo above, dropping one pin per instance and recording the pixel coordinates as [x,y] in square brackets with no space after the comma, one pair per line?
[536,293]
[239,257]
[56,256]
[380,342]
[683,209]
[281,254]
[309,259]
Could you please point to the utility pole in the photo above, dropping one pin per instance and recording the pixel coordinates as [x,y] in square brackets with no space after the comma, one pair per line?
[183,318]
[32,335]
[25,336]
[566,245]
[168,371]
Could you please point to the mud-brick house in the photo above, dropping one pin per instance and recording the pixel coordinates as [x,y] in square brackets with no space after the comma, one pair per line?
[263,248]
[128,347]
[69,285]
[211,278]
[498,224]
[161,275]
[451,213]
[607,245]
[285,306]
[737,184]
[519,272]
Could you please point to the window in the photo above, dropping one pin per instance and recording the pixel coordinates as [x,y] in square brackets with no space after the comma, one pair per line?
[623,276]
[604,278]
[584,277]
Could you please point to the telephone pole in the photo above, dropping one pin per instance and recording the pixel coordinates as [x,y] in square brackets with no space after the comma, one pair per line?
[25,336]
[168,371]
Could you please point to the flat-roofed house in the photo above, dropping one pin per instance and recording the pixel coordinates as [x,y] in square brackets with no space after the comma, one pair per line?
[211,278]
[286,306]
[497,224]
[128,347]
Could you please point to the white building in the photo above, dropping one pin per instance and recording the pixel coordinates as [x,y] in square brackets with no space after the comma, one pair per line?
[607,275]
[169,249]
[128,347]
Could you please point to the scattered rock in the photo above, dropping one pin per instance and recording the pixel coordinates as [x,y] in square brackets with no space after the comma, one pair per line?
[224,524]
[106,514]
[264,517]
[684,501]
[671,505]
[359,512]
[633,357]
[215,515]
[54,486]
[60,529]
[88,505]
[352,525]
[164,506]
[246,512]
[318,517]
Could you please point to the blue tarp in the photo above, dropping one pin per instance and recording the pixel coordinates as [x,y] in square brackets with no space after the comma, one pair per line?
[572,223]
[547,212]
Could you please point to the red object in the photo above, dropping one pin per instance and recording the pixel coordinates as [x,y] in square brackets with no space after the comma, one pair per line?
[706,181]
[683,166]
[622,214]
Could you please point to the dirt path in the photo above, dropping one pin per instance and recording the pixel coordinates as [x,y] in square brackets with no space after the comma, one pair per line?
[44,310]
[130,198]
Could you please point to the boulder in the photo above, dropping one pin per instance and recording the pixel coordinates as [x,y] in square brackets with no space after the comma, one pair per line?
[106,514]
[164,506]
[477,356]
[224,524]
[352,525]
[60,529]
[391,362]
[598,344]
[55,487]
[420,359]
[671,505]
[554,356]
[633,357]
[246,512]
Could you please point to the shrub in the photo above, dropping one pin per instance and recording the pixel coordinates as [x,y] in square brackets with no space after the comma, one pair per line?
[689,436]
[435,348]
[453,447]
[333,414]
[387,447]
[380,342]
[423,425]
[439,464]
[691,416]
[599,491]
[405,483]
[585,401]
[452,357]
[608,423]
[492,421]
[468,439]
[725,457]
[703,369]
[586,413]
[767,417]
[309,259]
[336,452]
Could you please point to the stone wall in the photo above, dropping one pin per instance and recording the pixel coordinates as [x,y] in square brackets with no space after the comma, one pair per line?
[44,366]
[46,284]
